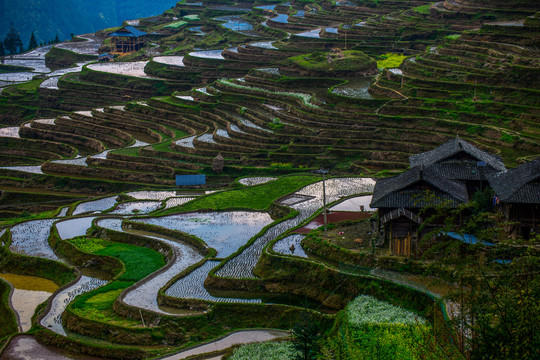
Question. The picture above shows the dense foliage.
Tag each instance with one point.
(349, 60)
(265, 351)
(367, 310)
(497, 314)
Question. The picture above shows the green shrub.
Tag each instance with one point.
(390, 60)
(265, 351)
(424, 9)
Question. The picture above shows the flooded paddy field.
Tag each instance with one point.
(332, 218)
(170, 60)
(135, 69)
(28, 169)
(144, 295)
(237, 24)
(25, 347)
(290, 245)
(208, 54)
(88, 47)
(96, 205)
(136, 207)
(30, 238)
(358, 203)
(11, 131)
(71, 228)
(192, 287)
(28, 293)
(53, 319)
(176, 201)
(242, 265)
(223, 231)
(250, 181)
(357, 88)
(154, 194)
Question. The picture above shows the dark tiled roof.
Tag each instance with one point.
(413, 199)
(130, 32)
(393, 192)
(451, 148)
(519, 185)
(462, 170)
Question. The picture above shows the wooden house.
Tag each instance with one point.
(401, 198)
(517, 194)
(460, 161)
(128, 39)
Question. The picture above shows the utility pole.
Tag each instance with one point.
(323, 172)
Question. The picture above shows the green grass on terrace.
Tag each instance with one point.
(139, 261)
(424, 9)
(255, 198)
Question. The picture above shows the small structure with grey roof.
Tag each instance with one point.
(459, 160)
(404, 200)
(128, 39)
(517, 194)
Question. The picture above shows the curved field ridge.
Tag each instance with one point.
(192, 287)
(242, 265)
(53, 319)
(145, 294)
(237, 338)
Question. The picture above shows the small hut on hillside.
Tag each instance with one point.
(128, 39)
(517, 194)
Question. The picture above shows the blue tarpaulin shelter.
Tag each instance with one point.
(190, 180)
(466, 238)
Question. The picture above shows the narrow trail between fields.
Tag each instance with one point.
(236, 338)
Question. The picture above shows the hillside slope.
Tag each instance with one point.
(62, 17)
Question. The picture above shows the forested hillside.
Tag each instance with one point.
(64, 17)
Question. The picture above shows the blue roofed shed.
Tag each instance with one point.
(190, 180)
(128, 39)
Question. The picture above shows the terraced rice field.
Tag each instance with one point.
(223, 85)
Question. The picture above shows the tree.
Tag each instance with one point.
(12, 42)
(2, 50)
(498, 298)
(305, 336)
(56, 39)
(32, 44)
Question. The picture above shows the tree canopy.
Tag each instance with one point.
(12, 41)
